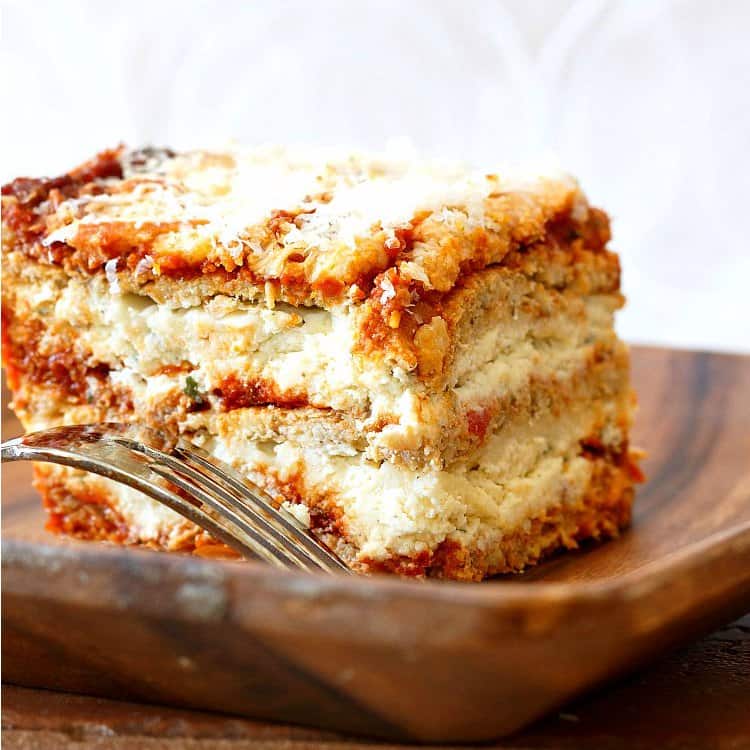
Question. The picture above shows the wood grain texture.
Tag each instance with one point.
(433, 661)
(692, 699)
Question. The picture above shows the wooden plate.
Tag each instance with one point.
(432, 661)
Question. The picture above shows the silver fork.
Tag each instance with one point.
(189, 481)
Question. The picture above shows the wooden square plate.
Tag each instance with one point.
(404, 660)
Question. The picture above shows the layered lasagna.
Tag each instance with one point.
(416, 359)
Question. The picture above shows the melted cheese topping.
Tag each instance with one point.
(257, 208)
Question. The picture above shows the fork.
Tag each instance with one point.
(188, 480)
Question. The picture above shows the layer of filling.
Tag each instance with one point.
(292, 365)
(385, 511)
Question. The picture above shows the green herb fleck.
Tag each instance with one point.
(192, 391)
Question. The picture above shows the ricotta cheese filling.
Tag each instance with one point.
(309, 352)
(389, 510)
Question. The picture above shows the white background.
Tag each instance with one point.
(647, 102)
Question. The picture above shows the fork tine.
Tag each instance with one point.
(242, 494)
(217, 524)
(191, 481)
(257, 538)
(221, 487)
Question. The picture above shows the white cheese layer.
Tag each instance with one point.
(295, 350)
(311, 352)
(389, 510)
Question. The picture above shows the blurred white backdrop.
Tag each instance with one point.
(647, 102)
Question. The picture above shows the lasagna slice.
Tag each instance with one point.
(418, 360)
